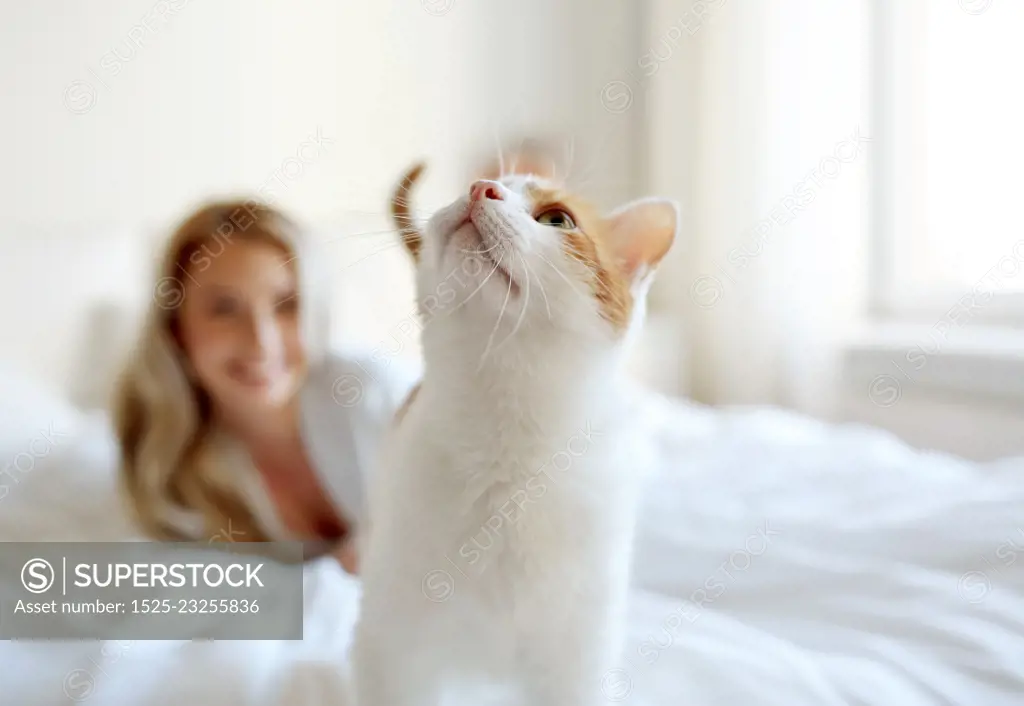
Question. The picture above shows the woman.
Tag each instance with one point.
(235, 424)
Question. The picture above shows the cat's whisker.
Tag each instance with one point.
(518, 152)
(567, 280)
(346, 234)
(362, 212)
(483, 252)
(616, 297)
(501, 315)
(378, 251)
(389, 246)
(592, 175)
(486, 430)
(547, 304)
(571, 159)
(346, 267)
(594, 162)
(572, 250)
(407, 201)
(364, 237)
(382, 212)
(418, 213)
(522, 312)
(501, 152)
(474, 292)
(293, 258)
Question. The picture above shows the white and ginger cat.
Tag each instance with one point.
(503, 506)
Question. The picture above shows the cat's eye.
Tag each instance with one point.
(557, 217)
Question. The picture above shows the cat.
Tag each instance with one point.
(503, 505)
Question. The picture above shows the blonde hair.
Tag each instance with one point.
(174, 486)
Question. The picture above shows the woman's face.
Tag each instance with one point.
(239, 326)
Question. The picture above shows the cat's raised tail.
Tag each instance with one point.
(402, 213)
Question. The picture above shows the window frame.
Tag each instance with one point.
(892, 199)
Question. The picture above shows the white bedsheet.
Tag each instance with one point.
(780, 561)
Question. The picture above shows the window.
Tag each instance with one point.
(949, 174)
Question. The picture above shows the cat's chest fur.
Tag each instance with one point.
(525, 509)
(493, 543)
(519, 483)
(507, 504)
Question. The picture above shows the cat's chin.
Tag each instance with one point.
(507, 280)
(469, 243)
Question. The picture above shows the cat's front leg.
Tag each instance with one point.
(567, 678)
(567, 669)
(571, 654)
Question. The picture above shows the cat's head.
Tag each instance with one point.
(518, 260)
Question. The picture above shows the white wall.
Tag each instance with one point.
(103, 154)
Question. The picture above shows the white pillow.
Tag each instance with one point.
(34, 418)
(72, 493)
(36, 421)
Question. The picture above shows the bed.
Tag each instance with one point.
(779, 561)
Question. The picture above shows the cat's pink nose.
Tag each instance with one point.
(485, 189)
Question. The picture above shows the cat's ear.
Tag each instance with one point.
(641, 232)
(401, 211)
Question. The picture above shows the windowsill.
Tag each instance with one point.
(983, 308)
(977, 361)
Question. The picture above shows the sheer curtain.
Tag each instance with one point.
(759, 123)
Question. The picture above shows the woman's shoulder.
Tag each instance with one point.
(358, 379)
(348, 402)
